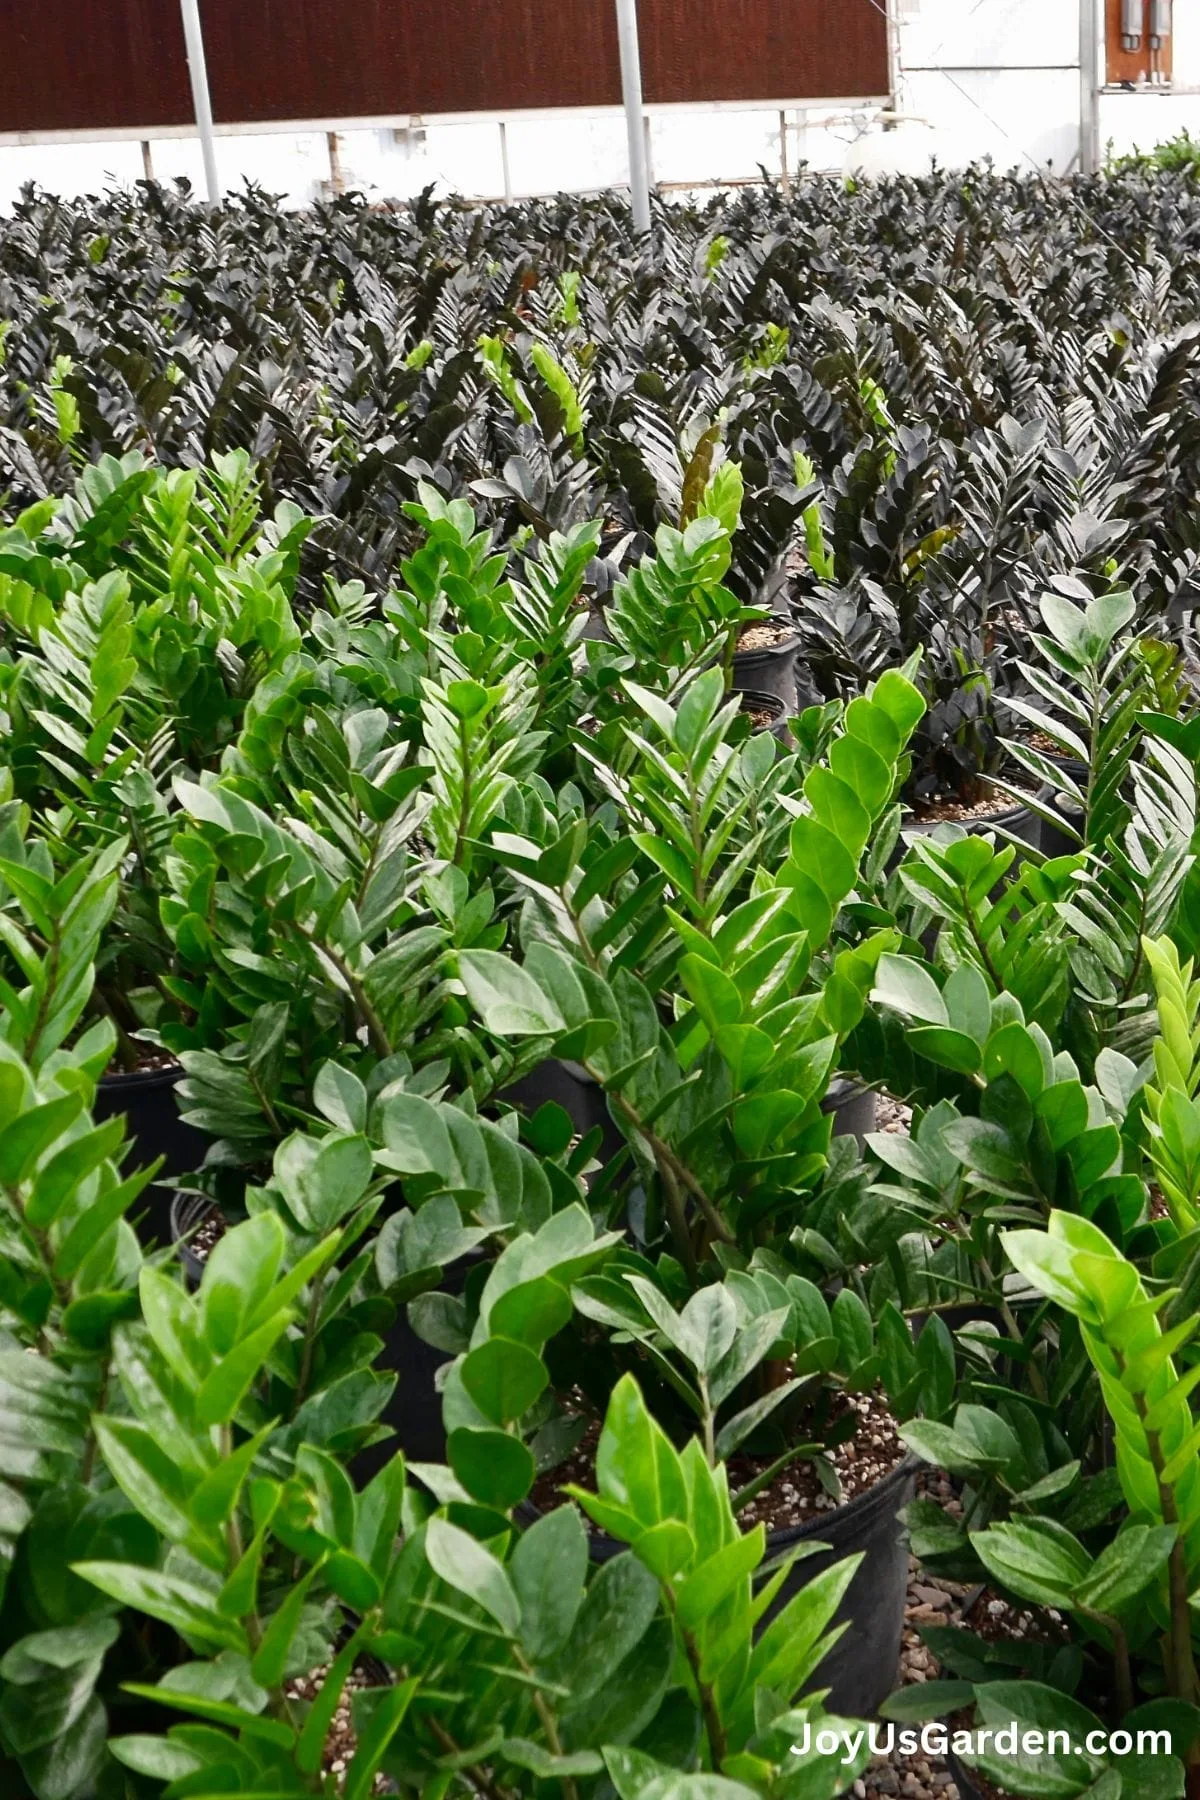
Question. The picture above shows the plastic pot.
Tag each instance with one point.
(1018, 821)
(965, 1780)
(771, 669)
(854, 1107)
(756, 700)
(860, 1670)
(414, 1411)
(146, 1098)
(570, 1086)
(185, 1213)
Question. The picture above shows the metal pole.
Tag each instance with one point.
(337, 181)
(1089, 95)
(147, 161)
(631, 95)
(785, 180)
(193, 37)
(504, 168)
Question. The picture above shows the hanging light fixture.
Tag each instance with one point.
(1160, 23)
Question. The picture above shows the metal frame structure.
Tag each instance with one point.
(401, 121)
(637, 114)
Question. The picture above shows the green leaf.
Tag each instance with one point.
(60, 1177)
(179, 1603)
(386, 1718)
(908, 988)
(222, 1391)
(548, 1569)
(495, 1468)
(31, 1134)
(160, 1758)
(237, 1277)
(271, 1659)
(472, 1570)
(503, 1378)
(1036, 1560)
(507, 999)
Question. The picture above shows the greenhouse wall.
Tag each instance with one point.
(1000, 79)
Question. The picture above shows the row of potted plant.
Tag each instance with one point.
(377, 890)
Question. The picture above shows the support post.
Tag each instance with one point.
(193, 37)
(505, 171)
(147, 161)
(337, 181)
(785, 179)
(631, 95)
(1089, 86)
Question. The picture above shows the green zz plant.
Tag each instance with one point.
(673, 1510)
(761, 1361)
(1131, 1599)
(272, 1577)
(1172, 1107)
(140, 619)
(69, 1264)
(254, 1553)
(722, 1105)
(288, 939)
(673, 613)
(1036, 1131)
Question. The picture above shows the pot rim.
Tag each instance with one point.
(768, 652)
(865, 1505)
(759, 698)
(117, 1080)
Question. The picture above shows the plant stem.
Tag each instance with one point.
(714, 1729)
(677, 1219)
(481, 1779)
(549, 1724)
(367, 1013)
(664, 1155)
(1181, 1663)
(310, 1333)
(710, 1422)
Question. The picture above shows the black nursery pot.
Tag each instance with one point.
(185, 1212)
(964, 1779)
(414, 1411)
(755, 700)
(854, 1107)
(146, 1098)
(568, 1085)
(860, 1670)
(770, 669)
(1019, 821)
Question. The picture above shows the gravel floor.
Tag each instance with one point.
(930, 1602)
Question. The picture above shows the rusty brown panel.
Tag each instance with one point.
(68, 65)
(763, 49)
(297, 59)
(71, 64)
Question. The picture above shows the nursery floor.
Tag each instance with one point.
(932, 1601)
